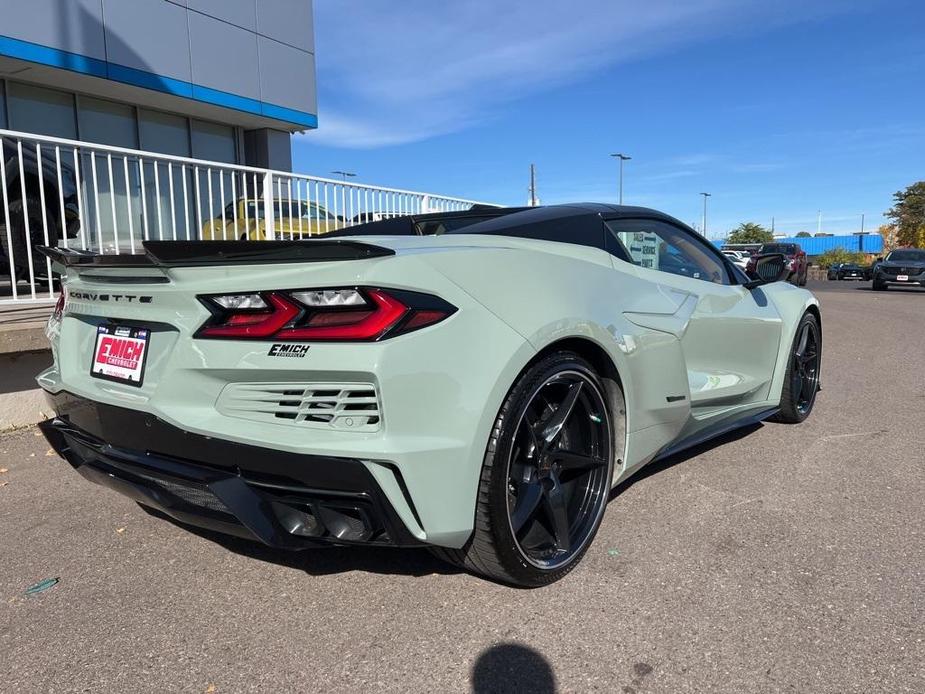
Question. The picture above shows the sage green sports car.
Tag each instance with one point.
(477, 388)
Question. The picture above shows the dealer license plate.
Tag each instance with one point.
(902, 278)
(119, 354)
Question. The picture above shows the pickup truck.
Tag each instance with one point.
(796, 258)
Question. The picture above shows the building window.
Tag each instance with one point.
(2, 104)
(42, 111)
(107, 122)
(164, 133)
(214, 142)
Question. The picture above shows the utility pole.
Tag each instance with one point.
(622, 157)
(862, 222)
(703, 230)
(344, 174)
(532, 185)
(819, 223)
(772, 226)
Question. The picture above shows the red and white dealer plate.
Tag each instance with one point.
(119, 354)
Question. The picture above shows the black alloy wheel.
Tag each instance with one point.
(546, 474)
(801, 381)
(558, 470)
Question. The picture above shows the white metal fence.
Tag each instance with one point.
(78, 195)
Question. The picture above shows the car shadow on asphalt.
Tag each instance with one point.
(892, 290)
(323, 561)
(683, 456)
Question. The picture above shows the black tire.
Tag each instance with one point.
(571, 492)
(801, 379)
(878, 286)
(19, 251)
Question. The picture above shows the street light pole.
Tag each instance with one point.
(344, 174)
(703, 228)
(343, 194)
(622, 157)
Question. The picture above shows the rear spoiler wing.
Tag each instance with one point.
(212, 253)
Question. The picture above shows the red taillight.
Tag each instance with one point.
(257, 324)
(422, 318)
(355, 314)
(365, 324)
(58, 312)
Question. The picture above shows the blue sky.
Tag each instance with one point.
(777, 109)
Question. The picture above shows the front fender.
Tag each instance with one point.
(791, 302)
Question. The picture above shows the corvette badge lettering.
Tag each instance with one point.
(128, 298)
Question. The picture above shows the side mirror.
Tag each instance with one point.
(771, 267)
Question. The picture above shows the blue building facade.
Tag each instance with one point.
(239, 70)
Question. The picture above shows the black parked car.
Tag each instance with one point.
(902, 267)
(851, 271)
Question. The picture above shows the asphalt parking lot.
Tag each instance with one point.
(779, 559)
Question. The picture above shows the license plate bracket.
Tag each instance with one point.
(120, 353)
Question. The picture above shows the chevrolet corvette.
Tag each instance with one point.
(478, 389)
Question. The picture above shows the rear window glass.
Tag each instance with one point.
(436, 227)
(785, 248)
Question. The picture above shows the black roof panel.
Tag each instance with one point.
(578, 223)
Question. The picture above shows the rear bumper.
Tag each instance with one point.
(284, 500)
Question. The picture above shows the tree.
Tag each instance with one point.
(804, 235)
(908, 215)
(839, 255)
(888, 232)
(749, 232)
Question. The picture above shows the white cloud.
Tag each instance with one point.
(396, 72)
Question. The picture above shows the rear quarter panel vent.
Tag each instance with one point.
(341, 406)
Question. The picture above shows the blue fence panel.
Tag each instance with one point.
(866, 243)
